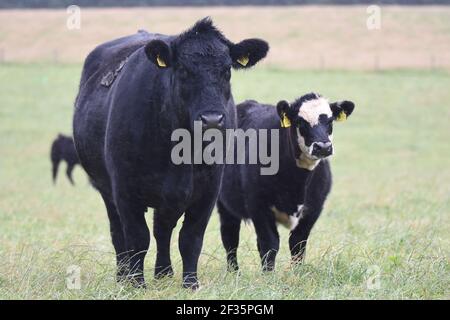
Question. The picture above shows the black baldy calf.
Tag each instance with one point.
(295, 195)
(134, 92)
(63, 149)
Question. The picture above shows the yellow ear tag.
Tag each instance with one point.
(342, 116)
(285, 122)
(243, 61)
(160, 61)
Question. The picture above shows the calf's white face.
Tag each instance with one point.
(311, 117)
(315, 132)
(311, 110)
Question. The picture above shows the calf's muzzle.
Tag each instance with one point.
(322, 149)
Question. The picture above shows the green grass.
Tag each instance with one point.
(388, 210)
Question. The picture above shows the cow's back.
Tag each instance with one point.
(108, 55)
(92, 107)
(254, 115)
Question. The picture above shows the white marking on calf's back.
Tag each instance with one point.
(311, 110)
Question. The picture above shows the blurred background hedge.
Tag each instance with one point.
(130, 3)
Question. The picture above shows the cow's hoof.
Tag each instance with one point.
(162, 272)
(296, 261)
(122, 275)
(233, 268)
(268, 268)
(137, 282)
(193, 286)
(191, 283)
(139, 285)
(120, 278)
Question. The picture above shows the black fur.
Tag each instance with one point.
(122, 135)
(246, 194)
(63, 148)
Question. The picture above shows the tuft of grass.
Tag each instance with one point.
(384, 233)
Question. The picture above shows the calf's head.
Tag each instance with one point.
(311, 120)
(199, 63)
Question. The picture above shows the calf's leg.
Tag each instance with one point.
(299, 236)
(229, 230)
(268, 239)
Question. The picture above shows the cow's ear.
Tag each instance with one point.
(342, 109)
(159, 53)
(283, 113)
(247, 53)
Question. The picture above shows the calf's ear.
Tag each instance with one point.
(159, 53)
(342, 109)
(283, 112)
(247, 53)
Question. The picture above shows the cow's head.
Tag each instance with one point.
(199, 62)
(311, 119)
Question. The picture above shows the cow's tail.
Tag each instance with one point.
(55, 156)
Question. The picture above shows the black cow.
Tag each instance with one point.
(295, 195)
(134, 92)
(63, 148)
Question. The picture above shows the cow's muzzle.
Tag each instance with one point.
(212, 120)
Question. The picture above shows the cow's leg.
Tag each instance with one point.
(117, 238)
(69, 173)
(136, 234)
(229, 229)
(299, 236)
(268, 239)
(191, 239)
(163, 223)
(55, 165)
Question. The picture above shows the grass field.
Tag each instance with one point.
(389, 210)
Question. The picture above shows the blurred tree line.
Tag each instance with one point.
(129, 3)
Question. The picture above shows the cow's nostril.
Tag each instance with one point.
(212, 120)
